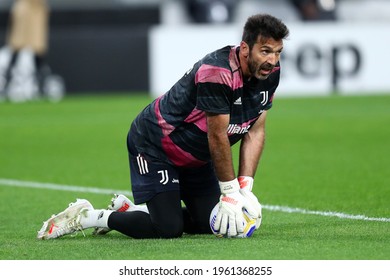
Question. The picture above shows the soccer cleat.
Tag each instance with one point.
(66, 222)
(119, 203)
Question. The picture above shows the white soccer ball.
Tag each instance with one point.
(249, 224)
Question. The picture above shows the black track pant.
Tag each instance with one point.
(167, 218)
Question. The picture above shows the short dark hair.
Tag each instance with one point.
(266, 26)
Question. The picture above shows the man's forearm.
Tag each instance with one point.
(250, 153)
(252, 147)
(219, 146)
(222, 157)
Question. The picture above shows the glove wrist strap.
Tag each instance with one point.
(229, 186)
(246, 182)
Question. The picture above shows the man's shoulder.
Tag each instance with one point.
(219, 57)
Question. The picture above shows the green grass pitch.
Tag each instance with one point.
(329, 157)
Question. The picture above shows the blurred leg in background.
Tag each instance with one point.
(24, 67)
(211, 11)
(314, 10)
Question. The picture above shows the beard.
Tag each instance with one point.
(259, 71)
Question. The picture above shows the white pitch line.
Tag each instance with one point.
(277, 208)
(58, 187)
(323, 213)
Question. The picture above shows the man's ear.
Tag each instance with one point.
(244, 49)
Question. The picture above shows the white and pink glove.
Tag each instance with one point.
(230, 219)
(246, 185)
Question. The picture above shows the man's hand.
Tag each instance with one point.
(246, 185)
(230, 219)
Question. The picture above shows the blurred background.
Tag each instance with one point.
(100, 46)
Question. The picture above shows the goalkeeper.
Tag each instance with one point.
(179, 146)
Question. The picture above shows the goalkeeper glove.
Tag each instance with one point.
(246, 185)
(230, 218)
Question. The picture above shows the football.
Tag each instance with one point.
(249, 224)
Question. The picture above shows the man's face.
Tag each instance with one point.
(263, 57)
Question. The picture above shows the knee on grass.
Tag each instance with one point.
(170, 230)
